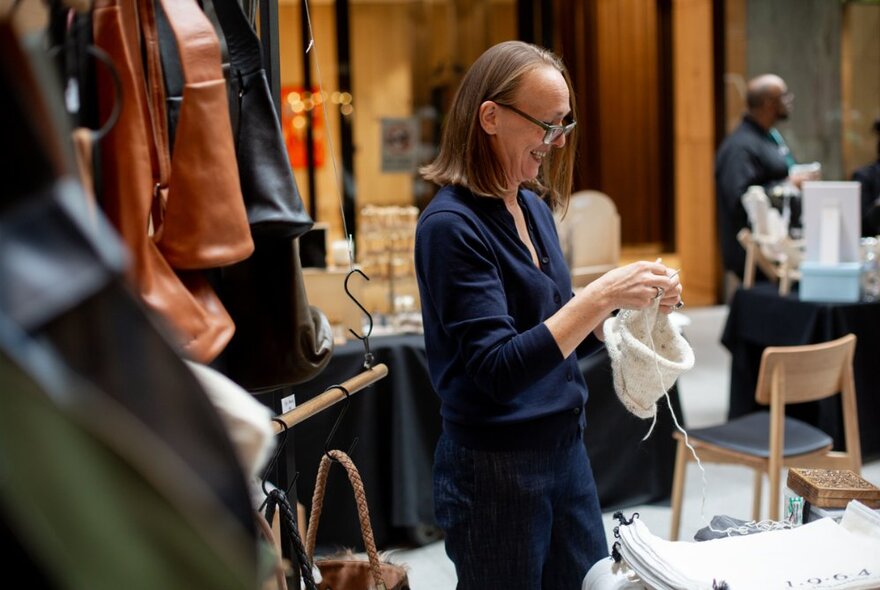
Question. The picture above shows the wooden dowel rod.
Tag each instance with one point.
(331, 396)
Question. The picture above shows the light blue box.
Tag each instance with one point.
(830, 282)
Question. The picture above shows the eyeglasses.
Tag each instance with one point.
(551, 132)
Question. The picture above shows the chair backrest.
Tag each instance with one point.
(590, 230)
(812, 372)
(806, 373)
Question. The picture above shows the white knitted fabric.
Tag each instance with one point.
(647, 355)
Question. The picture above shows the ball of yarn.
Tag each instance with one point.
(647, 355)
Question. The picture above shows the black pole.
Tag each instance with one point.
(271, 56)
(283, 472)
(343, 50)
(307, 85)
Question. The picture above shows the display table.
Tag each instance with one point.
(760, 317)
(397, 423)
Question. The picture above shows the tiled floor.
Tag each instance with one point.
(704, 392)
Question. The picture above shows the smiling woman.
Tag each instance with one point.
(513, 487)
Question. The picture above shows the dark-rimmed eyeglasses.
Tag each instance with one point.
(551, 132)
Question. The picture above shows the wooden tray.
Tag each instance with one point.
(832, 488)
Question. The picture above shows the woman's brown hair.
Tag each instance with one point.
(466, 157)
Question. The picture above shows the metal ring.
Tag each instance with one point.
(678, 305)
(659, 292)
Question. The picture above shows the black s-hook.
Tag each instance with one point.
(368, 356)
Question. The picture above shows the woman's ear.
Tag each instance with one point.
(489, 117)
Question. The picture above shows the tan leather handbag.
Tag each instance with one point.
(203, 222)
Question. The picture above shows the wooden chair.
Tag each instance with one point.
(590, 236)
(767, 441)
(780, 262)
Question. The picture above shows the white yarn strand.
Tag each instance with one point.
(743, 529)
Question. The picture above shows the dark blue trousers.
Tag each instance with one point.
(518, 519)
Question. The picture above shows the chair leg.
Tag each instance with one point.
(784, 280)
(749, 270)
(774, 497)
(756, 495)
(681, 461)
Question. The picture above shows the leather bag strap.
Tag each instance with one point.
(363, 512)
(197, 42)
(243, 45)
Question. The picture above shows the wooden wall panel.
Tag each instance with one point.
(735, 76)
(382, 87)
(628, 115)
(696, 241)
(860, 79)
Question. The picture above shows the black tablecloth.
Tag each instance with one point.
(397, 422)
(760, 317)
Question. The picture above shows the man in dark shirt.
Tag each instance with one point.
(754, 154)
(869, 177)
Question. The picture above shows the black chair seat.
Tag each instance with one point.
(751, 434)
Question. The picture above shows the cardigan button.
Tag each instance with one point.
(576, 411)
(557, 298)
(545, 260)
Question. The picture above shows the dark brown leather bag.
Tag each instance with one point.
(280, 340)
(130, 166)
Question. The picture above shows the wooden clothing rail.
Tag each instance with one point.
(329, 397)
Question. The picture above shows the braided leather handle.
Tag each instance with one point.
(363, 512)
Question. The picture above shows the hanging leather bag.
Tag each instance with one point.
(274, 205)
(203, 222)
(348, 573)
(280, 339)
(132, 173)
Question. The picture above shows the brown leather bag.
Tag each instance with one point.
(203, 220)
(348, 573)
(130, 167)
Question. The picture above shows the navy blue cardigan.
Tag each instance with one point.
(502, 381)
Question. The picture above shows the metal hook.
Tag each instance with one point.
(271, 465)
(338, 422)
(368, 356)
(103, 57)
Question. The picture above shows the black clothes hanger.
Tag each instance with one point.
(270, 467)
(338, 421)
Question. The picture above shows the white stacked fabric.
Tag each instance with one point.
(821, 555)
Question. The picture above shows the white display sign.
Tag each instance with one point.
(832, 221)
